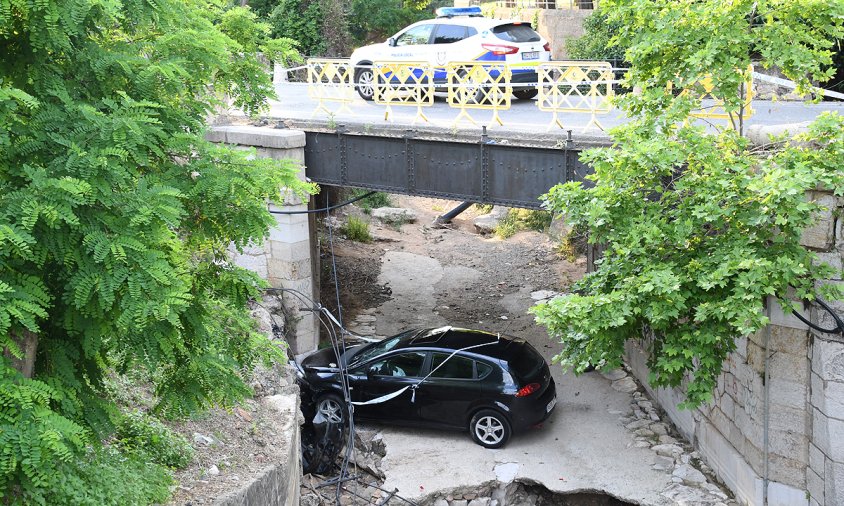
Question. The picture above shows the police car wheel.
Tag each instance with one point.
(525, 94)
(365, 83)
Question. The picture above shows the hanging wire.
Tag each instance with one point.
(839, 324)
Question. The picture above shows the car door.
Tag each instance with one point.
(384, 376)
(446, 47)
(448, 394)
(414, 44)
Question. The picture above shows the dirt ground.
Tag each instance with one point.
(473, 274)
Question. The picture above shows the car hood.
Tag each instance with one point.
(327, 359)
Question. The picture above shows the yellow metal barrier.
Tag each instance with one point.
(403, 84)
(330, 80)
(479, 85)
(703, 90)
(575, 87)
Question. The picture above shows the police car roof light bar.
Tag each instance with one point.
(450, 12)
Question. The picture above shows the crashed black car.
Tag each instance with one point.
(450, 378)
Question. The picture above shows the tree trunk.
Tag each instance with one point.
(28, 342)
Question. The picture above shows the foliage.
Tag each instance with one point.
(109, 478)
(374, 201)
(522, 219)
(699, 226)
(356, 229)
(595, 42)
(300, 20)
(145, 436)
(376, 20)
(115, 219)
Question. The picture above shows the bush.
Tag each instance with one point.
(107, 477)
(374, 201)
(357, 229)
(522, 219)
(594, 44)
(142, 435)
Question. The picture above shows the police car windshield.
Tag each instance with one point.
(516, 33)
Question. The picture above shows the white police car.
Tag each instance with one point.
(458, 34)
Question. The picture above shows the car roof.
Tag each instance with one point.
(480, 23)
(454, 338)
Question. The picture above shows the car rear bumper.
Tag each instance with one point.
(528, 412)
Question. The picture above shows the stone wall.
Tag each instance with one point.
(284, 259)
(780, 417)
(278, 484)
(556, 25)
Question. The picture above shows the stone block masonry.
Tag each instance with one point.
(786, 443)
(285, 258)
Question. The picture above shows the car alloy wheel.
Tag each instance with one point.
(490, 429)
(332, 408)
(365, 83)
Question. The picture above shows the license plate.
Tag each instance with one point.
(530, 55)
(551, 405)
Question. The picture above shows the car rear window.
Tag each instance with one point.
(516, 33)
(525, 362)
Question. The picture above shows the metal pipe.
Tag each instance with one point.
(447, 217)
(767, 388)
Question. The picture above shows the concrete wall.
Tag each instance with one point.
(794, 431)
(285, 258)
(278, 484)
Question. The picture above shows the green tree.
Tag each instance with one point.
(300, 20)
(115, 218)
(699, 225)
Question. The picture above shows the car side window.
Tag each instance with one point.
(483, 369)
(417, 35)
(455, 367)
(447, 34)
(404, 364)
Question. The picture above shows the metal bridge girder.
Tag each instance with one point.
(481, 172)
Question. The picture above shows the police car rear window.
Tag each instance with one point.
(516, 33)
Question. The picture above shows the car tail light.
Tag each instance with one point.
(527, 389)
(547, 47)
(500, 49)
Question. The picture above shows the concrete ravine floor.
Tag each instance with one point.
(582, 446)
(454, 277)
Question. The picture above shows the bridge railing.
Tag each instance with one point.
(581, 87)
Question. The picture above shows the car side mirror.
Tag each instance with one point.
(391, 42)
(372, 371)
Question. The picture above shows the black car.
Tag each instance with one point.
(446, 377)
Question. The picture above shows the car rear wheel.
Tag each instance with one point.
(526, 93)
(332, 407)
(490, 429)
(365, 83)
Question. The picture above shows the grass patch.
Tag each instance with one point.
(357, 229)
(484, 208)
(374, 201)
(522, 219)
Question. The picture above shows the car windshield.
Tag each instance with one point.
(516, 33)
(375, 349)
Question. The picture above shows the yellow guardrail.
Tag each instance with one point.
(703, 89)
(583, 87)
(409, 84)
(331, 80)
(479, 85)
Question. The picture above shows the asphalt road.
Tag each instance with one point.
(523, 116)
